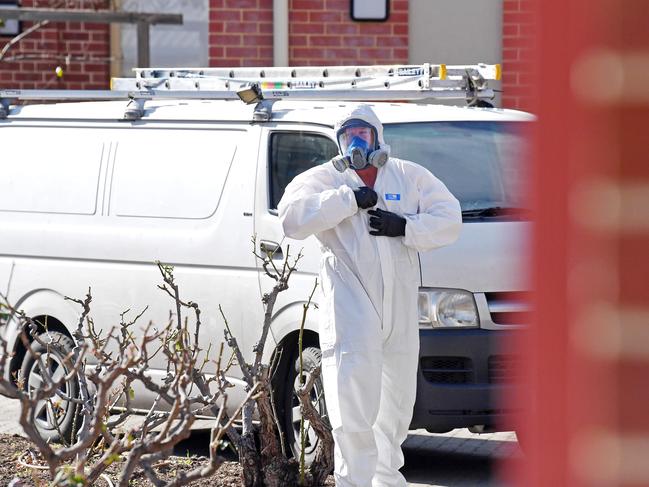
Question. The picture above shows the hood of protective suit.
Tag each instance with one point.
(365, 113)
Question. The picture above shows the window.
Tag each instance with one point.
(171, 173)
(50, 169)
(292, 153)
(482, 163)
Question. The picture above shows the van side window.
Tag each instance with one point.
(41, 173)
(171, 173)
(292, 153)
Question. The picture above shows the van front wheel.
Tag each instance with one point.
(311, 358)
(54, 416)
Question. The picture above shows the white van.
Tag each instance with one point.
(88, 199)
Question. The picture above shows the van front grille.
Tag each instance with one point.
(504, 369)
(509, 308)
(447, 370)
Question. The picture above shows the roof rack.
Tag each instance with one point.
(266, 85)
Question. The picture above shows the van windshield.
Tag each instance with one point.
(483, 163)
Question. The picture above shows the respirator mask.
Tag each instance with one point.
(358, 142)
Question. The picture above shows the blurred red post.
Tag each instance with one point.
(587, 414)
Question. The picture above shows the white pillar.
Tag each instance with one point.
(280, 32)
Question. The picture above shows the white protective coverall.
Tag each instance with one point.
(368, 327)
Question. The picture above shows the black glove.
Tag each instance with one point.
(386, 223)
(365, 197)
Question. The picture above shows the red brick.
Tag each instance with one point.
(301, 28)
(337, 5)
(48, 46)
(401, 54)
(296, 40)
(369, 28)
(266, 53)
(240, 52)
(257, 40)
(45, 66)
(375, 53)
(225, 39)
(400, 29)
(242, 27)
(26, 45)
(392, 41)
(214, 4)
(250, 63)
(100, 36)
(93, 26)
(256, 15)
(324, 16)
(298, 16)
(217, 27)
(75, 36)
(225, 15)
(47, 34)
(5, 76)
(241, 3)
(341, 28)
(76, 77)
(94, 68)
(265, 27)
(359, 41)
(324, 40)
(399, 17)
(306, 5)
(339, 53)
(306, 52)
(95, 47)
(228, 62)
(215, 51)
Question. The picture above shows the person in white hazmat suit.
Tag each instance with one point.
(369, 281)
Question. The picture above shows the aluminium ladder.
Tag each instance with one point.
(328, 83)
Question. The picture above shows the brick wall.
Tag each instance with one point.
(241, 33)
(519, 34)
(321, 32)
(81, 49)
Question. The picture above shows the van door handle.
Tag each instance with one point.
(273, 248)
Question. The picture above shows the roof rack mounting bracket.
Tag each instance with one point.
(263, 111)
(134, 109)
(4, 108)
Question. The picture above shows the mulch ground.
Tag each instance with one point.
(14, 448)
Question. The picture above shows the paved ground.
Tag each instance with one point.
(455, 459)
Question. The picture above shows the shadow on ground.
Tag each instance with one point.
(431, 460)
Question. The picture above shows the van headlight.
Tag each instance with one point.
(447, 308)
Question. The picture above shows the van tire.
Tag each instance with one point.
(311, 359)
(64, 411)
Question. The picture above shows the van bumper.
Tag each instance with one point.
(463, 380)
